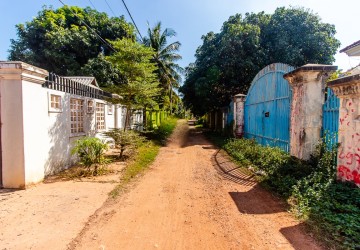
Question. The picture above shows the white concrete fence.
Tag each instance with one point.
(39, 125)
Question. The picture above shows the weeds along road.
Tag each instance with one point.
(193, 197)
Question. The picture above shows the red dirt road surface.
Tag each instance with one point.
(193, 197)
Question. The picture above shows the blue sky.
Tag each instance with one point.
(191, 18)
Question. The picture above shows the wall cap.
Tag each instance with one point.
(17, 70)
(311, 67)
(239, 97)
(346, 86)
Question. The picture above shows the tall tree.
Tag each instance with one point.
(165, 58)
(227, 62)
(59, 41)
(134, 61)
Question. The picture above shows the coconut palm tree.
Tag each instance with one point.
(169, 72)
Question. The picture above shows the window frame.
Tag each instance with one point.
(50, 102)
(74, 119)
(92, 110)
(103, 126)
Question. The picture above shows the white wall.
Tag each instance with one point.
(36, 140)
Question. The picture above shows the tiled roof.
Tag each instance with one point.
(350, 46)
(86, 80)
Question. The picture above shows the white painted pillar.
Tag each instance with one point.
(239, 105)
(23, 130)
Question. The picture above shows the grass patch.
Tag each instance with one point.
(330, 208)
(146, 153)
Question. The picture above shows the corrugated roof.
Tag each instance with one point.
(350, 46)
(86, 80)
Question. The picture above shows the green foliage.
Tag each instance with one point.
(227, 62)
(125, 140)
(134, 61)
(91, 152)
(163, 131)
(141, 85)
(58, 40)
(331, 208)
(165, 57)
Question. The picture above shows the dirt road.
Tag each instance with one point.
(193, 198)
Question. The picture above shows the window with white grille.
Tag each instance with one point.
(100, 116)
(76, 116)
(90, 106)
(55, 104)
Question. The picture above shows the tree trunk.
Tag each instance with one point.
(127, 118)
(144, 119)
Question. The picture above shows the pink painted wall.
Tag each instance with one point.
(349, 136)
(348, 162)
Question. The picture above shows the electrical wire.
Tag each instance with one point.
(97, 35)
(92, 4)
(110, 7)
(132, 19)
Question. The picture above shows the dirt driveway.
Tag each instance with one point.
(193, 198)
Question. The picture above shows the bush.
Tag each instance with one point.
(125, 140)
(91, 152)
(162, 132)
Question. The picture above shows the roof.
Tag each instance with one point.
(86, 80)
(352, 49)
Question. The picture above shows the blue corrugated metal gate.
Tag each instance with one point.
(267, 107)
(331, 118)
(230, 115)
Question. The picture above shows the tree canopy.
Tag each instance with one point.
(59, 41)
(227, 61)
(141, 83)
(165, 57)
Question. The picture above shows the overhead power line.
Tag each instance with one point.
(88, 26)
(132, 19)
(92, 4)
(110, 7)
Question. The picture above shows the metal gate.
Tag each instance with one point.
(330, 118)
(267, 107)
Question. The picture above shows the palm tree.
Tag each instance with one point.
(165, 58)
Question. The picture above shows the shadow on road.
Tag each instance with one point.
(256, 201)
(8, 190)
(229, 170)
(292, 235)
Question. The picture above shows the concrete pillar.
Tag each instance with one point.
(224, 112)
(348, 161)
(308, 84)
(23, 130)
(239, 106)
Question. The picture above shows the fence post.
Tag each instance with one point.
(308, 85)
(239, 102)
(348, 158)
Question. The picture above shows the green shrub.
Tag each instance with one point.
(163, 131)
(125, 140)
(91, 152)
